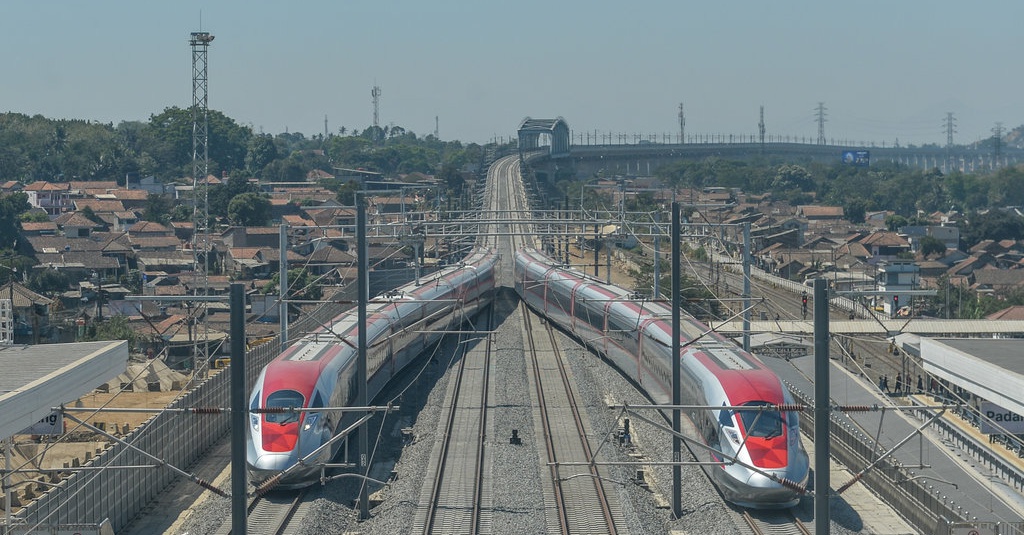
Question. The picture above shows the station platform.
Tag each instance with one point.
(945, 467)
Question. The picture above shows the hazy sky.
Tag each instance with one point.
(884, 69)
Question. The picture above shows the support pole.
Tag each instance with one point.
(677, 443)
(239, 416)
(608, 260)
(821, 408)
(363, 287)
(566, 241)
(657, 258)
(282, 302)
(746, 286)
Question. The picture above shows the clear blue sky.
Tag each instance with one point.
(884, 69)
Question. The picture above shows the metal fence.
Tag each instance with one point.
(921, 505)
(178, 439)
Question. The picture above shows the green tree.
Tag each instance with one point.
(220, 195)
(931, 245)
(11, 208)
(259, 153)
(894, 222)
(301, 285)
(158, 208)
(47, 281)
(114, 328)
(249, 209)
(169, 140)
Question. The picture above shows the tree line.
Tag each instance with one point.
(39, 148)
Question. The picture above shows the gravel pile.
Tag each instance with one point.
(517, 499)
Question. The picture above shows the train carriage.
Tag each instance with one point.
(636, 337)
(319, 370)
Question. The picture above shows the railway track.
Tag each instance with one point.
(459, 500)
(579, 501)
(272, 514)
(774, 523)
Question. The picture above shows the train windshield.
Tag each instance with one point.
(761, 423)
(284, 399)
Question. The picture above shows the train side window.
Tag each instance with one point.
(284, 399)
(318, 401)
(725, 418)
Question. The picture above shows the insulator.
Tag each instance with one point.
(207, 410)
(267, 485)
(206, 485)
(790, 484)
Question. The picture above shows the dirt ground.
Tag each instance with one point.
(78, 444)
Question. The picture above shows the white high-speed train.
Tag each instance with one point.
(637, 338)
(319, 370)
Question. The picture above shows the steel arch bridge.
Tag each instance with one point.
(530, 131)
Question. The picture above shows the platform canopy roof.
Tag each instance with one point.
(37, 378)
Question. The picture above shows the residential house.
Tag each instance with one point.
(820, 214)
(251, 237)
(998, 281)
(31, 313)
(11, 186)
(76, 225)
(42, 228)
(248, 262)
(895, 278)
(885, 245)
(54, 198)
(150, 229)
(949, 236)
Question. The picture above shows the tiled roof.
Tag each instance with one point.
(885, 238)
(98, 205)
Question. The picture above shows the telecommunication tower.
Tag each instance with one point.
(682, 125)
(200, 42)
(760, 128)
(437, 123)
(997, 144)
(375, 93)
(821, 122)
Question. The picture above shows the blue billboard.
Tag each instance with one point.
(861, 158)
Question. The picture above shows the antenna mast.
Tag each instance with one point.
(200, 43)
(760, 128)
(375, 93)
(682, 124)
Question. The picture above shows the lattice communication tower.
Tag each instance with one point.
(200, 43)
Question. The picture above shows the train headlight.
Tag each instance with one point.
(254, 421)
(732, 435)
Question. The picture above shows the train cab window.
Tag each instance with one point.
(284, 399)
(763, 424)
